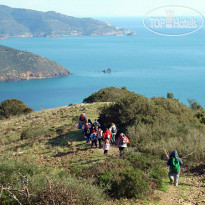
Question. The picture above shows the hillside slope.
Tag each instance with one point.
(19, 65)
(46, 146)
(27, 23)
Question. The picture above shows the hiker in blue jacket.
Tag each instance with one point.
(174, 162)
(93, 138)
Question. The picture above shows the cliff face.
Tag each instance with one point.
(28, 23)
(19, 65)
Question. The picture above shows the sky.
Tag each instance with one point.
(101, 8)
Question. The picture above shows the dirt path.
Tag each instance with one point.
(191, 190)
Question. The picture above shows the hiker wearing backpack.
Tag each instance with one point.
(82, 120)
(93, 138)
(100, 137)
(174, 164)
(93, 128)
(113, 131)
(96, 123)
(122, 142)
(87, 133)
(107, 134)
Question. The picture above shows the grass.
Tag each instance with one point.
(165, 184)
(53, 144)
(47, 143)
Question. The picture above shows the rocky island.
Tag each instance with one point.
(30, 23)
(20, 65)
(108, 70)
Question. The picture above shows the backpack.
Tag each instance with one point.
(82, 117)
(107, 135)
(79, 126)
(122, 141)
(93, 136)
(174, 166)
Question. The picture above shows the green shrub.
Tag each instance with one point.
(10, 169)
(13, 107)
(126, 112)
(34, 133)
(132, 176)
(124, 88)
(170, 95)
(157, 123)
(110, 94)
(62, 129)
(151, 165)
(45, 187)
(131, 183)
(69, 191)
(157, 174)
(194, 104)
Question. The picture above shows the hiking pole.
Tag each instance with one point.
(166, 153)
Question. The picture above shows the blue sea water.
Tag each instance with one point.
(147, 64)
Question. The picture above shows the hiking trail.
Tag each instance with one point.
(191, 190)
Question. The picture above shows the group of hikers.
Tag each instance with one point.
(93, 133)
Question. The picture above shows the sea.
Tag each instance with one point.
(148, 64)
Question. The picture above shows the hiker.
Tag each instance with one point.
(106, 146)
(174, 164)
(122, 142)
(96, 128)
(100, 137)
(93, 138)
(113, 131)
(87, 134)
(107, 134)
(93, 128)
(90, 123)
(96, 123)
(82, 120)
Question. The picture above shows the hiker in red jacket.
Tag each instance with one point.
(122, 142)
(107, 134)
(82, 120)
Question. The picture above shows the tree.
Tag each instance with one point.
(170, 95)
(124, 88)
(194, 104)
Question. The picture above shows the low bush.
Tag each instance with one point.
(110, 94)
(13, 107)
(69, 191)
(34, 133)
(131, 176)
(62, 129)
(170, 95)
(130, 183)
(43, 186)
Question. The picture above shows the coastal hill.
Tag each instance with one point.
(28, 23)
(20, 65)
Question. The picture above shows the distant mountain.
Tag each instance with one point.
(19, 65)
(28, 23)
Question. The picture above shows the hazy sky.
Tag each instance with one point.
(101, 8)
